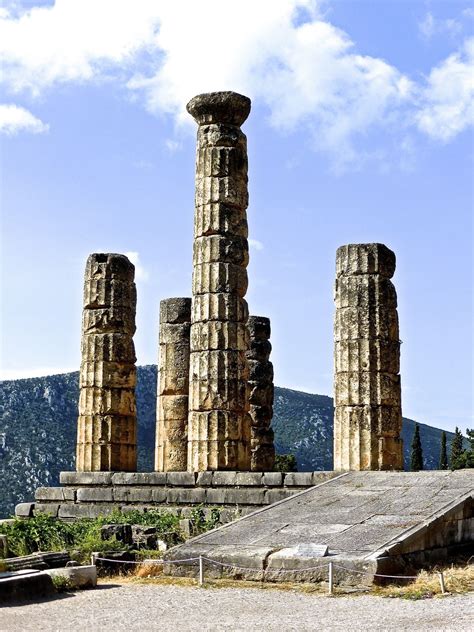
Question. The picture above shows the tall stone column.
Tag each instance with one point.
(368, 414)
(106, 428)
(219, 423)
(173, 386)
(261, 395)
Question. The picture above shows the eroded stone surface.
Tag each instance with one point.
(173, 386)
(367, 392)
(218, 422)
(106, 428)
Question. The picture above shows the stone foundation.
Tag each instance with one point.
(93, 494)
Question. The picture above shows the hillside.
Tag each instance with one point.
(38, 427)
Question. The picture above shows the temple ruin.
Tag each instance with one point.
(107, 424)
(367, 394)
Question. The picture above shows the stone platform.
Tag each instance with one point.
(371, 522)
(93, 494)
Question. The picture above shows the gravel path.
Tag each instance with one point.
(130, 607)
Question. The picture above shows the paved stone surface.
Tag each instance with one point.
(355, 515)
(153, 607)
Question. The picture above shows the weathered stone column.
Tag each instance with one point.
(219, 423)
(173, 386)
(261, 395)
(367, 398)
(106, 428)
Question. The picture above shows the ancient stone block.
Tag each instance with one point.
(106, 432)
(249, 479)
(219, 307)
(180, 479)
(302, 479)
(367, 417)
(272, 479)
(224, 478)
(94, 494)
(85, 478)
(261, 394)
(139, 478)
(220, 219)
(219, 277)
(215, 335)
(173, 385)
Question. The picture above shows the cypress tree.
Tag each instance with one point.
(443, 455)
(416, 460)
(456, 450)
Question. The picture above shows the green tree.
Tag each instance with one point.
(416, 460)
(466, 457)
(285, 463)
(456, 450)
(443, 455)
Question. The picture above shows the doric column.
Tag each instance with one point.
(106, 428)
(219, 423)
(261, 395)
(173, 386)
(367, 398)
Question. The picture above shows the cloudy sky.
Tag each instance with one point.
(361, 130)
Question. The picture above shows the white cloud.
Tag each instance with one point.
(255, 244)
(447, 100)
(15, 119)
(430, 26)
(141, 274)
(172, 145)
(284, 54)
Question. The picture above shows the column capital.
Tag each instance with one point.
(229, 108)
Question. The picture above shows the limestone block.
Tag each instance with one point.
(204, 479)
(175, 310)
(173, 333)
(210, 454)
(220, 277)
(169, 381)
(219, 307)
(85, 510)
(94, 494)
(54, 493)
(272, 479)
(220, 219)
(77, 576)
(224, 395)
(224, 478)
(219, 248)
(259, 328)
(109, 320)
(218, 425)
(85, 478)
(180, 479)
(110, 401)
(366, 291)
(24, 510)
(261, 416)
(260, 372)
(122, 532)
(221, 161)
(260, 350)
(228, 364)
(49, 509)
(132, 494)
(110, 457)
(301, 479)
(173, 407)
(355, 259)
(103, 429)
(244, 496)
(275, 495)
(109, 266)
(102, 293)
(231, 191)
(261, 395)
(186, 495)
(219, 336)
(249, 479)
(159, 495)
(367, 355)
(109, 347)
(108, 375)
(358, 388)
(139, 478)
(352, 323)
(221, 135)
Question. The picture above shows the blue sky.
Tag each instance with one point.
(361, 130)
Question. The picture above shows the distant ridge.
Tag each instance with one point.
(38, 431)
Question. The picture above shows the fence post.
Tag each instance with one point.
(441, 582)
(331, 578)
(201, 571)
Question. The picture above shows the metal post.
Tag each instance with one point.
(201, 571)
(441, 582)
(330, 578)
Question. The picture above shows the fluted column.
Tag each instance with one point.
(219, 423)
(261, 395)
(173, 386)
(367, 398)
(106, 429)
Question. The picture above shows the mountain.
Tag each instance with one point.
(38, 431)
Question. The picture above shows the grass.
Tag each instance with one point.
(459, 579)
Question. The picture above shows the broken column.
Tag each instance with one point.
(367, 398)
(106, 428)
(261, 395)
(219, 423)
(173, 386)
